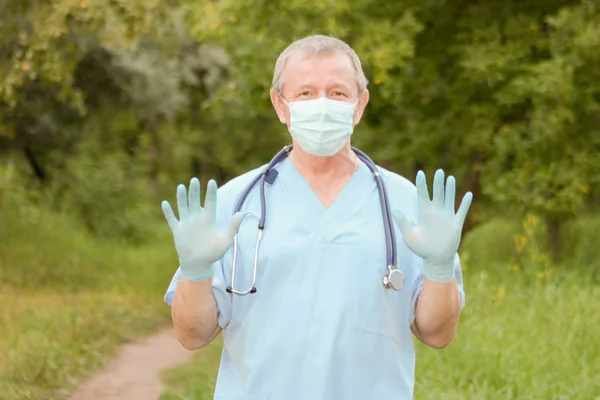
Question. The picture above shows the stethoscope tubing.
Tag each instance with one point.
(390, 235)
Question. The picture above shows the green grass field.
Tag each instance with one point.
(516, 340)
(528, 331)
(67, 300)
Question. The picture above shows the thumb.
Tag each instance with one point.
(403, 223)
(234, 224)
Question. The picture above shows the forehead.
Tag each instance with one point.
(319, 70)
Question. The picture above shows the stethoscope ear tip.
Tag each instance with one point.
(230, 289)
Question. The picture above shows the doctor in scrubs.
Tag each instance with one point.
(321, 326)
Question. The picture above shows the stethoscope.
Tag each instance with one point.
(394, 279)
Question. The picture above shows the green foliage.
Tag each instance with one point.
(490, 244)
(42, 249)
(507, 243)
(105, 187)
(44, 41)
(66, 298)
(505, 91)
(504, 96)
(553, 150)
(580, 244)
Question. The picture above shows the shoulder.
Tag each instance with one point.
(232, 190)
(402, 193)
(236, 185)
(397, 183)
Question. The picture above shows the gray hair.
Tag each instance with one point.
(318, 45)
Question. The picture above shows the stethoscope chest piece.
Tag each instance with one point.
(394, 278)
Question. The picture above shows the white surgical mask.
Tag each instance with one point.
(321, 126)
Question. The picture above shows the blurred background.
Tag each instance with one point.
(107, 105)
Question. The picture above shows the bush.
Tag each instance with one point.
(508, 245)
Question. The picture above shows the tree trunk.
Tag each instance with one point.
(37, 169)
(415, 168)
(152, 127)
(471, 183)
(553, 232)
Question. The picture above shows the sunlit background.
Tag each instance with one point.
(105, 106)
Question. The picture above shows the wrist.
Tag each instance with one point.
(443, 272)
(195, 270)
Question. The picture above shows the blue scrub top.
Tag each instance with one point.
(321, 325)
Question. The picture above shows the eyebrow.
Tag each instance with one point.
(330, 85)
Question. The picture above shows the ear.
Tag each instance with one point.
(280, 108)
(363, 100)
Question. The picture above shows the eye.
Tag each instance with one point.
(305, 93)
(337, 93)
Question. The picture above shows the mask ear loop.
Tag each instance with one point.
(355, 108)
(289, 107)
(282, 99)
(289, 126)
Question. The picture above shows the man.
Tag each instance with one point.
(321, 325)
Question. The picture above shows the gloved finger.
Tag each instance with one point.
(182, 204)
(438, 188)
(422, 192)
(461, 215)
(210, 201)
(194, 195)
(169, 215)
(450, 194)
(234, 224)
(403, 223)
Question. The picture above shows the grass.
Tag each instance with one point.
(516, 340)
(67, 300)
(519, 340)
(50, 341)
(528, 331)
(195, 380)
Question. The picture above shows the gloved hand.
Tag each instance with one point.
(197, 241)
(436, 235)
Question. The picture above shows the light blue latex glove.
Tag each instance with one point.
(197, 241)
(436, 235)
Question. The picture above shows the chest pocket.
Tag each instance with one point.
(374, 308)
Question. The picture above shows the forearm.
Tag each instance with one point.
(194, 313)
(437, 313)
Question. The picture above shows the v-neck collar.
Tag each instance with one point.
(313, 198)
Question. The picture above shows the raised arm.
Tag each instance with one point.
(435, 237)
(199, 246)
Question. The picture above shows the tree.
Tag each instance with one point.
(503, 94)
(42, 43)
(137, 55)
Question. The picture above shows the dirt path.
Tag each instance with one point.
(134, 373)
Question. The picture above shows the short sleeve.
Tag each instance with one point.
(223, 299)
(459, 280)
(418, 287)
(171, 289)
